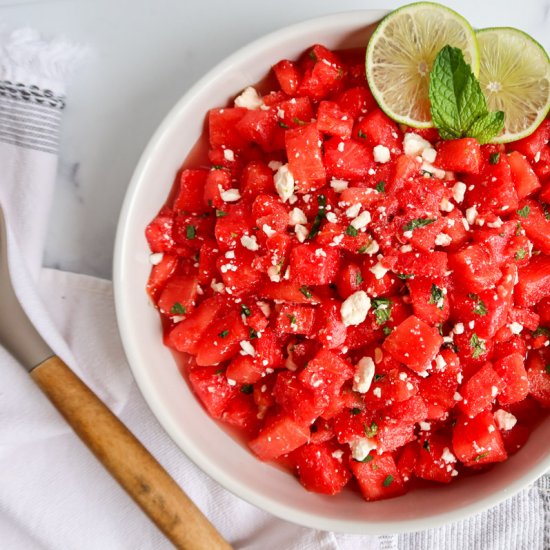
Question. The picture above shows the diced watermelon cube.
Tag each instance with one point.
(477, 441)
(534, 282)
(539, 378)
(191, 189)
(379, 478)
(480, 391)
(524, 177)
(212, 388)
(279, 437)
(322, 468)
(314, 265)
(459, 155)
(333, 121)
(288, 75)
(305, 162)
(435, 460)
(222, 127)
(414, 343)
(295, 319)
(326, 370)
(474, 268)
(178, 296)
(534, 143)
(347, 159)
(512, 372)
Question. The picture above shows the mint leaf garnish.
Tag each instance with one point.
(458, 106)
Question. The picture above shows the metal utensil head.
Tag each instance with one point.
(17, 333)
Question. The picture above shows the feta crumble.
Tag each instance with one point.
(284, 182)
(505, 420)
(249, 99)
(364, 373)
(250, 242)
(381, 154)
(354, 309)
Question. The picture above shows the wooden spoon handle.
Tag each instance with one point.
(144, 479)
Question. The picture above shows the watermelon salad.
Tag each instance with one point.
(366, 304)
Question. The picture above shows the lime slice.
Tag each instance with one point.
(401, 53)
(515, 78)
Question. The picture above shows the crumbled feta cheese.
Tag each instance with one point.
(435, 172)
(301, 232)
(274, 165)
(250, 242)
(217, 287)
(446, 205)
(429, 154)
(362, 220)
(229, 155)
(364, 373)
(440, 362)
(457, 396)
(353, 210)
(338, 454)
(471, 215)
(372, 248)
(442, 239)
(459, 189)
(378, 270)
(381, 154)
(156, 258)
(231, 195)
(377, 392)
(496, 224)
(274, 274)
(505, 420)
(515, 327)
(268, 230)
(458, 328)
(425, 426)
(494, 391)
(249, 99)
(378, 355)
(339, 185)
(536, 157)
(331, 217)
(320, 253)
(414, 145)
(247, 348)
(341, 147)
(284, 182)
(297, 216)
(354, 309)
(361, 447)
(447, 456)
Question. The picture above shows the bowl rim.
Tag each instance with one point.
(121, 254)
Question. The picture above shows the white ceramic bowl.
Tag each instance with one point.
(166, 392)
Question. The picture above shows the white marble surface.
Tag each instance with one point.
(145, 54)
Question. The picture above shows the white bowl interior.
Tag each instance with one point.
(203, 440)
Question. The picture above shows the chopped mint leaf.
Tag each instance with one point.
(351, 231)
(378, 377)
(479, 308)
(220, 213)
(381, 186)
(223, 333)
(403, 276)
(217, 167)
(540, 331)
(418, 222)
(524, 212)
(305, 291)
(190, 232)
(477, 345)
(361, 134)
(312, 55)
(282, 124)
(372, 430)
(291, 318)
(388, 481)
(245, 310)
(321, 215)
(436, 296)
(358, 278)
(386, 330)
(547, 369)
(481, 456)
(426, 445)
(252, 334)
(546, 211)
(368, 458)
(458, 106)
(382, 309)
(296, 120)
(355, 410)
(520, 254)
(494, 158)
(178, 309)
(247, 389)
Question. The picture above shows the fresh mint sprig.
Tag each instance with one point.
(458, 106)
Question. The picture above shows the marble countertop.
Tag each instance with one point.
(144, 55)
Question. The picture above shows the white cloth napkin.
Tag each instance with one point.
(54, 495)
